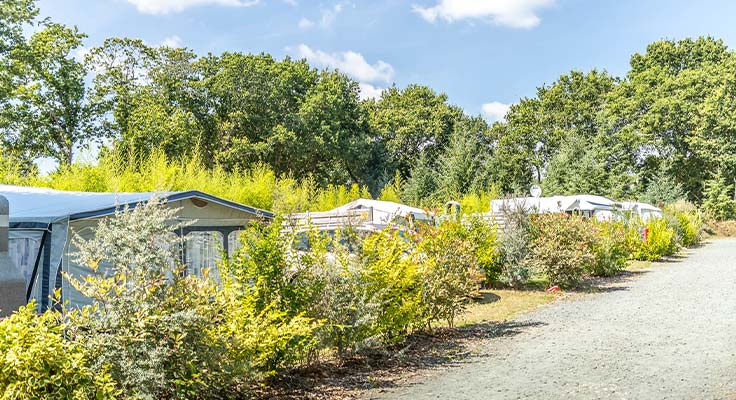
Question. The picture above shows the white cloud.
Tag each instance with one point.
(305, 23)
(326, 19)
(368, 91)
(512, 13)
(349, 62)
(329, 15)
(495, 111)
(173, 42)
(161, 7)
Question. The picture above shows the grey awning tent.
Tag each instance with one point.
(41, 220)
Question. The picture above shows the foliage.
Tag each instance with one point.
(258, 186)
(537, 126)
(662, 190)
(413, 123)
(660, 241)
(514, 245)
(449, 270)
(688, 222)
(265, 293)
(563, 247)
(610, 248)
(39, 362)
(393, 276)
(48, 112)
(718, 199)
(150, 323)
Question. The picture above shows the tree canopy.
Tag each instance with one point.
(661, 131)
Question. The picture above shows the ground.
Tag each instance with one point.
(666, 331)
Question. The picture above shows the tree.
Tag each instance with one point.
(574, 170)
(49, 113)
(536, 127)
(662, 189)
(333, 139)
(412, 123)
(121, 68)
(465, 165)
(15, 15)
(657, 109)
(718, 199)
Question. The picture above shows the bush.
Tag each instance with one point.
(153, 326)
(610, 248)
(661, 239)
(392, 275)
(563, 247)
(268, 279)
(513, 266)
(449, 269)
(38, 362)
(687, 221)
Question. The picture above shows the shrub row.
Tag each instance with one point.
(565, 248)
(154, 332)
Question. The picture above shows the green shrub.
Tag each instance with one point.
(391, 274)
(687, 221)
(151, 325)
(269, 279)
(661, 239)
(38, 362)
(349, 309)
(449, 270)
(563, 247)
(610, 248)
(513, 266)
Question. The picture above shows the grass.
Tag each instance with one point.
(636, 265)
(504, 305)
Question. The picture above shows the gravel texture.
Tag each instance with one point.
(668, 333)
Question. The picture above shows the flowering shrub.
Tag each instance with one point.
(563, 247)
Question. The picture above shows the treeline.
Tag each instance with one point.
(663, 132)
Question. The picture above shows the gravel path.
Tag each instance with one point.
(667, 334)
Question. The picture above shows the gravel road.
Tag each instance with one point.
(669, 333)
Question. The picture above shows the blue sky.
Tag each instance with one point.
(479, 52)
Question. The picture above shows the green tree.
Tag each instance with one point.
(656, 111)
(536, 127)
(465, 166)
(49, 113)
(718, 198)
(412, 123)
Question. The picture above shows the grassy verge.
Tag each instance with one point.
(636, 265)
(504, 305)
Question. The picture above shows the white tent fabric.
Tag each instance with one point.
(42, 204)
(384, 211)
(644, 210)
(46, 215)
(599, 206)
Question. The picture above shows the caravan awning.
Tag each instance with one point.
(49, 205)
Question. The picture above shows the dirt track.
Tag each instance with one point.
(667, 334)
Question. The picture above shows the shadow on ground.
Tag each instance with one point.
(383, 370)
